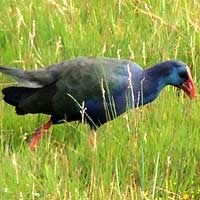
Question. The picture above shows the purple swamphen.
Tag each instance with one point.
(93, 89)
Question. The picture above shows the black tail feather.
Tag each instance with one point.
(14, 95)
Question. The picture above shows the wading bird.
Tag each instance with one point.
(93, 89)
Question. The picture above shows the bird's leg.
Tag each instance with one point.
(93, 139)
(38, 135)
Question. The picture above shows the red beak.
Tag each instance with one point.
(188, 86)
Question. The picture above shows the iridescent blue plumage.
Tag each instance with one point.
(107, 86)
(93, 89)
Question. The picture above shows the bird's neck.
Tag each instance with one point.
(152, 83)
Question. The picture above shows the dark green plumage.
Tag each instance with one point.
(60, 89)
(59, 86)
(92, 89)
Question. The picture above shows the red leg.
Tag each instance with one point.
(38, 134)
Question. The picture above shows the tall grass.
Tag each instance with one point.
(148, 153)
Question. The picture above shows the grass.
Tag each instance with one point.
(148, 153)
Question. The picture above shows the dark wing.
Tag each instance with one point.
(62, 86)
(90, 79)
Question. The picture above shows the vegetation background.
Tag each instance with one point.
(148, 153)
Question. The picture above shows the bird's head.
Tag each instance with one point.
(179, 75)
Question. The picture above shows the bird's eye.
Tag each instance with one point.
(183, 75)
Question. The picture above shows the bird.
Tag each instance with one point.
(91, 89)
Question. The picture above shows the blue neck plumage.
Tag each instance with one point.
(150, 86)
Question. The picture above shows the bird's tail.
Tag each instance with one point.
(31, 79)
(14, 72)
(15, 95)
